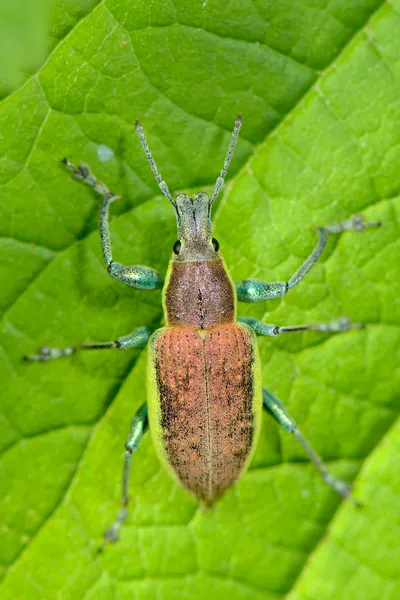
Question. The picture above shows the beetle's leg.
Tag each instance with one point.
(132, 340)
(139, 427)
(253, 290)
(137, 276)
(278, 411)
(337, 326)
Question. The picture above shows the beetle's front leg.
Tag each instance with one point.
(140, 337)
(137, 276)
(139, 427)
(338, 326)
(253, 290)
(278, 411)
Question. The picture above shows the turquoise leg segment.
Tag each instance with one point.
(252, 290)
(137, 276)
(140, 337)
(275, 407)
(338, 326)
(138, 429)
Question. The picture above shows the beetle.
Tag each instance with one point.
(204, 388)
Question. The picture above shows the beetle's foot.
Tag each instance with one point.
(338, 326)
(83, 173)
(111, 535)
(343, 488)
(46, 353)
(355, 223)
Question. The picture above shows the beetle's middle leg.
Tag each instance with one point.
(275, 407)
(338, 326)
(140, 337)
(138, 429)
(253, 290)
(137, 276)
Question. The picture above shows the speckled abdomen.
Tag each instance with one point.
(204, 404)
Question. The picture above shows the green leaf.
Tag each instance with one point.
(29, 29)
(318, 85)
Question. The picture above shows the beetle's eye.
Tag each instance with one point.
(215, 244)
(177, 247)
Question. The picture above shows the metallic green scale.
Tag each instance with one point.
(204, 373)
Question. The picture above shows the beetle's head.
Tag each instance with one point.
(195, 241)
(193, 218)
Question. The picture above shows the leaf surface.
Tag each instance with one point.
(318, 86)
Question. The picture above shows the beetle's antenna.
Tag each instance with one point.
(162, 185)
(220, 179)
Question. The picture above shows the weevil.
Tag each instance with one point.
(204, 388)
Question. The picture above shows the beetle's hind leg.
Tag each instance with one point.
(137, 276)
(132, 340)
(139, 427)
(275, 407)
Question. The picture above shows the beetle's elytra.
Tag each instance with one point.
(204, 402)
(204, 376)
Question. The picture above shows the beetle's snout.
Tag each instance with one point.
(200, 201)
(194, 227)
